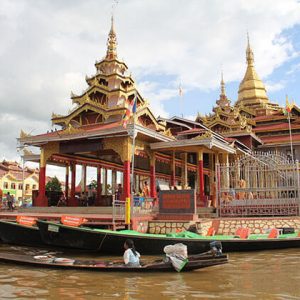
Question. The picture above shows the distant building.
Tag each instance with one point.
(11, 179)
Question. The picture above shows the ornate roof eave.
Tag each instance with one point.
(106, 60)
(150, 133)
(90, 80)
(219, 122)
(23, 134)
(91, 106)
(101, 133)
(148, 112)
(64, 136)
(246, 109)
(105, 90)
(208, 142)
(243, 133)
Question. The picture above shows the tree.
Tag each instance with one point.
(93, 184)
(53, 185)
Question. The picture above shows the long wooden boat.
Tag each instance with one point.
(111, 242)
(14, 233)
(104, 266)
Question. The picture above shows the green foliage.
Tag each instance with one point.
(93, 184)
(53, 185)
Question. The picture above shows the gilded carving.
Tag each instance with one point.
(71, 130)
(121, 146)
(204, 136)
(46, 152)
(168, 132)
(55, 116)
(23, 134)
(27, 152)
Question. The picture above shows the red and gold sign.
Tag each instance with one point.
(180, 201)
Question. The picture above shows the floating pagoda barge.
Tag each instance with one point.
(213, 156)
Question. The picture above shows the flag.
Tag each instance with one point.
(180, 91)
(288, 105)
(131, 109)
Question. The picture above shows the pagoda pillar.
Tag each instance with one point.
(173, 169)
(72, 200)
(83, 178)
(113, 182)
(105, 181)
(201, 178)
(99, 187)
(184, 171)
(126, 179)
(41, 199)
(152, 177)
(67, 183)
(225, 157)
(46, 152)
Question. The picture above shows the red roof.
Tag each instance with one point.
(229, 139)
(281, 126)
(281, 138)
(270, 117)
(87, 128)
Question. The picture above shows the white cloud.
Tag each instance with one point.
(293, 69)
(275, 86)
(47, 47)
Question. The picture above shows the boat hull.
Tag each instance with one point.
(110, 242)
(100, 266)
(14, 233)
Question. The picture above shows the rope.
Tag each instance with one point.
(99, 248)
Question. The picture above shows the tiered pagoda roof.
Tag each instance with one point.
(253, 115)
(227, 118)
(108, 94)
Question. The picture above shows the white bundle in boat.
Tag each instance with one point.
(179, 250)
(178, 255)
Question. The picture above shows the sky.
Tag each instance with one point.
(49, 46)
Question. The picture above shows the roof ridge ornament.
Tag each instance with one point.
(111, 52)
(223, 93)
(249, 52)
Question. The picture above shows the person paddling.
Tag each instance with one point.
(131, 256)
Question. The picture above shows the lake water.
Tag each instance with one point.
(251, 275)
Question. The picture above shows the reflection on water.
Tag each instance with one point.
(260, 275)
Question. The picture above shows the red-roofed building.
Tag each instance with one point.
(12, 178)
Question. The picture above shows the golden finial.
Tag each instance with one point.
(249, 52)
(222, 85)
(112, 41)
(23, 134)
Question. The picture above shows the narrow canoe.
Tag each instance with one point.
(111, 242)
(104, 266)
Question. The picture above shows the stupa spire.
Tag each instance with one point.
(222, 85)
(252, 91)
(111, 52)
(249, 52)
(223, 100)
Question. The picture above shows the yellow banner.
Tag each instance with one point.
(127, 211)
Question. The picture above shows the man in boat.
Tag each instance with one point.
(131, 256)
